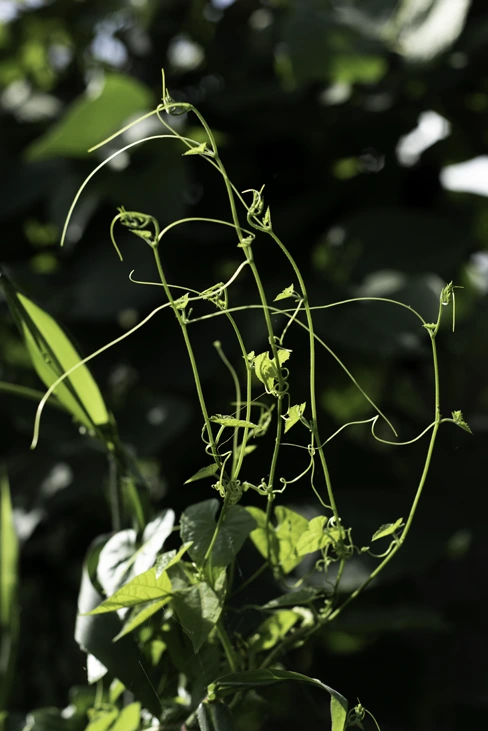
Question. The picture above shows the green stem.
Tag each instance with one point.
(227, 645)
(191, 355)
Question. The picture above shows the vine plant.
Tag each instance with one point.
(159, 623)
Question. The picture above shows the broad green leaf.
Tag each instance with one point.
(95, 634)
(198, 609)
(143, 588)
(230, 421)
(272, 630)
(121, 558)
(293, 415)
(287, 292)
(247, 679)
(387, 529)
(9, 558)
(102, 720)
(95, 115)
(170, 558)
(293, 599)
(208, 471)
(52, 354)
(283, 537)
(140, 614)
(198, 526)
(317, 536)
(129, 718)
(267, 370)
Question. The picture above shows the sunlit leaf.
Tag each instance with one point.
(9, 557)
(129, 718)
(293, 415)
(287, 292)
(387, 529)
(317, 536)
(230, 421)
(52, 354)
(121, 558)
(197, 150)
(170, 558)
(266, 369)
(282, 538)
(272, 630)
(143, 588)
(140, 614)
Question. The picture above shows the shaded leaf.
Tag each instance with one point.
(208, 471)
(198, 609)
(198, 526)
(92, 117)
(170, 558)
(294, 598)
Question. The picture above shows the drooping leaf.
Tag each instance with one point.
(281, 538)
(121, 559)
(198, 609)
(142, 588)
(52, 354)
(208, 471)
(272, 630)
(293, 415)
(94, 116)
(285, 294)
(95, 634)
(247, 679)
(387, 529)
(198, 526)
(197, 150)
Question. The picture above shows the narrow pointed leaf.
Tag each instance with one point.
(208, 471)
(143, 588)
(387, 529)
(9, 557)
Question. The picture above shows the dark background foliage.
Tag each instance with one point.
(314, 99)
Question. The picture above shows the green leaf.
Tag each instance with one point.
(121, 559)
(387, 529)
(52, 354)
(247, 679)
(272, 630)
(198, 526)
(95, 115)
(102, 720)
(230, 421)
(140, 614)
(266, 369)
(170, 558)
(458, 419)
(293, 599)
(283, 537)
(143, 588)
(197, 150)
(293, 415)
(129, 718)
(95, 634)
(198, 609)
(9, 559)
(285, 294)
(317, 536)
(208, 471)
